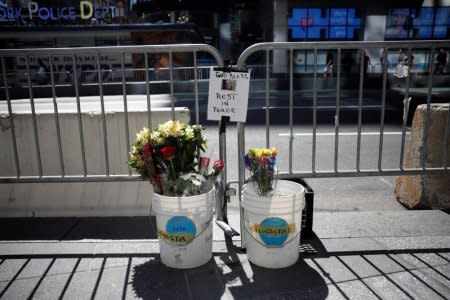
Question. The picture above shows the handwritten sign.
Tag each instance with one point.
(228, 94)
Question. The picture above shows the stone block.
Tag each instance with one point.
(426, 191)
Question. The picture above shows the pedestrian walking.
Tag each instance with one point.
(441, 61)
(328, 69)
(42, 72)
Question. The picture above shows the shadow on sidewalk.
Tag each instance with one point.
(113, 228)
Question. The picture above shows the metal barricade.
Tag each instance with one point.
(264, 73)
(73, 57)
(267, 52)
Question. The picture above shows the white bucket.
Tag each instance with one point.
(273, 224)
(184, 229)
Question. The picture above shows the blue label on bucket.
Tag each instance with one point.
(179, 230)
(273, 231)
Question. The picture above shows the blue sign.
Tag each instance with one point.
(324, 24)
(179, 230)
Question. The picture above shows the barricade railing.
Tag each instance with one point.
(72, 57)
(268, 52)
(277, 63)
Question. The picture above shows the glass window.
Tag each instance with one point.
(324, 24)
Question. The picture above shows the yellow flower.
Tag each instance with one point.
(274, 151)
(259, 153)
(266, 152)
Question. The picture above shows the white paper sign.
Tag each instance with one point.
(228, 94)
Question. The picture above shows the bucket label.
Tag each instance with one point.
(273, 231)
(180, 230)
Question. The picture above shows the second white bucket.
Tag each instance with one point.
(184, 229)
(273, 223)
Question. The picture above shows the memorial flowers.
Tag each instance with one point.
(261, 164)
(170, 157)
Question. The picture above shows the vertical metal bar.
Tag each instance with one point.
(291, 109)
(147, 86)
(314, 137)
(55, 108)
(360, 104)
(197, 109)
(102, 103)
(406, 102)
(427, 116)
(336, 117)
(408, 74)
(405, 111)
(11, 119)
(446, 141)
(220, 203)
(33, 113)
(80, 121)
(383, 108)
(241, 177)
(267, 99)
(172, 97)
(125, 109)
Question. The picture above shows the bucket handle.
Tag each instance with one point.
(271, 246)
(196, 236)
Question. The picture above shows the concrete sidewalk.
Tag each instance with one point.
(352, 255)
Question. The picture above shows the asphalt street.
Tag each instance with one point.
(330, 194)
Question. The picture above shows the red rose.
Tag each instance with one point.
(217, 167)
(168, 152)
(147, 150)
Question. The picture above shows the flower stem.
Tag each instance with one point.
(172, 169)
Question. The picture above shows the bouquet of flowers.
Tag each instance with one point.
(169, 157)
(261, 164)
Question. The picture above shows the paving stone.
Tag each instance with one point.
(20, 288)
(415, 243)
(335, 293)
(332, 270)
(82, 284)
(386, 288)
(350, 244)
(356, 290)
(417, 288)
(52, 285)
(423, 260)
(383, 263)
(113, 280)
(10, 268)
(358, 266)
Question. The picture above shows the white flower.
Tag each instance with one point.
(189, 132)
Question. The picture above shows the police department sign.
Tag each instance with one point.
(86, 10)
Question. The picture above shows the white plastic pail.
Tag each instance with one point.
(273, 224)
(184, 229)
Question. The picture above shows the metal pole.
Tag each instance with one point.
(55, 107)
(33, 113)
(11, 119)
(80, 121)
